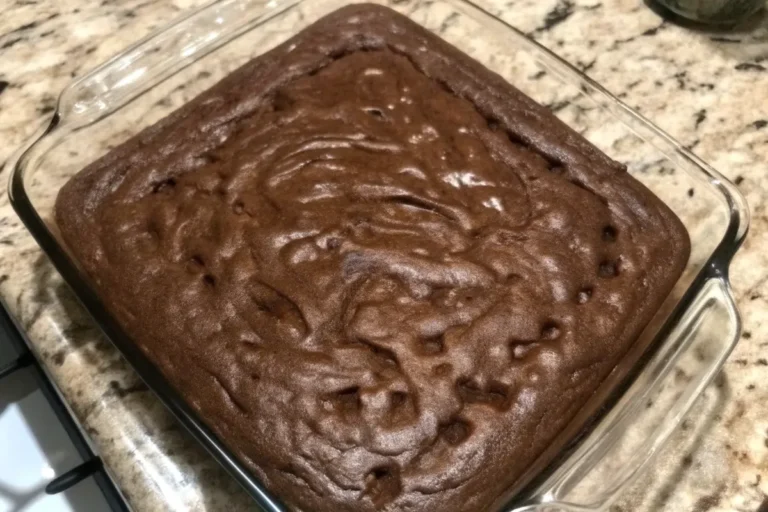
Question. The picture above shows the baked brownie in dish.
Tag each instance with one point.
(382, 275)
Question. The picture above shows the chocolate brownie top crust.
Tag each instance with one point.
(383, 276)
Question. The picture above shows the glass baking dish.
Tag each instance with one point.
(644, 399)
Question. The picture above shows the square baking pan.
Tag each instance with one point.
(617, 433)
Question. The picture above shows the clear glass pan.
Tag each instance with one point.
(641, 403)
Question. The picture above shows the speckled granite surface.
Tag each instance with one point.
(709, 91)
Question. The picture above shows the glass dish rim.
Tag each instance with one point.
(716, 266)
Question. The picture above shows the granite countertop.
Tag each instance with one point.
(709, 91)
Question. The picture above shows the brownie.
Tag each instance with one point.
(384, 277)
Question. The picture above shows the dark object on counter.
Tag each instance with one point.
(384, 277)
(715, 13)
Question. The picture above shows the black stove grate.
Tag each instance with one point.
(92, 465)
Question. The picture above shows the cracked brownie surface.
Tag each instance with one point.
(383, 276)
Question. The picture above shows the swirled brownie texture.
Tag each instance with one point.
(383, 276)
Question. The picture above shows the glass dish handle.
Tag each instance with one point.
(608, 461)
(159, 56)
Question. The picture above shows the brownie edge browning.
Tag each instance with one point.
(384, 277)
